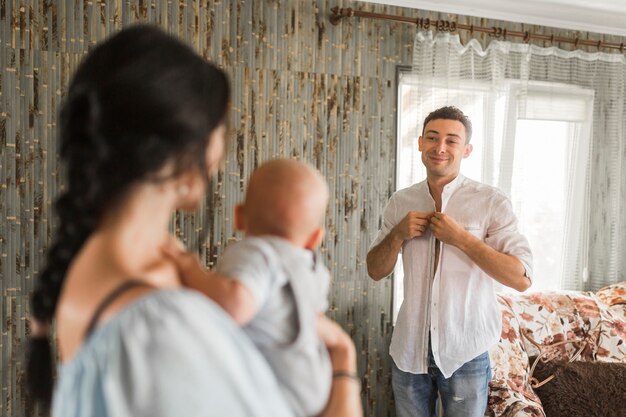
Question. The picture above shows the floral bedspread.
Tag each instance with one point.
(596, 321)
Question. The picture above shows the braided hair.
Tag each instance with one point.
(140, 100)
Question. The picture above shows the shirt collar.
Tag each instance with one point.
(449, 188)
(453, 185)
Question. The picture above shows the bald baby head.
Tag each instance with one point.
(285, 198)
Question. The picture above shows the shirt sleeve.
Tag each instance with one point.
(504, 236)
(389, 220)
(249, 262)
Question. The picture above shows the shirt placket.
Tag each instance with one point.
(435, 327)
(431, 275)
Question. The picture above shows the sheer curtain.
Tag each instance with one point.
(520, 95)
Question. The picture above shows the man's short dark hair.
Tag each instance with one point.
(450, 113)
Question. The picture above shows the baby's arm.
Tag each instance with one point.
(233, 296)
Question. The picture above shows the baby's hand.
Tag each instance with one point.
(174, 242)
(233, 296)
(188, 264)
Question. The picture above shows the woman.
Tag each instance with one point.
(141, 130)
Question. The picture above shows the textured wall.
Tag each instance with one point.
(301, 88)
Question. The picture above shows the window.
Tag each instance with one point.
(530, 140)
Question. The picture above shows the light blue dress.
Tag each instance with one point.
(170, 353)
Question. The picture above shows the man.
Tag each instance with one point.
(456, 236)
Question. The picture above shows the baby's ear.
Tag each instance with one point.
(314, 239)
(240, 221)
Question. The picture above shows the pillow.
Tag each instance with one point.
(582, 389)
(613, 294)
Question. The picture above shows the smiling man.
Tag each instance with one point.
(456, 237)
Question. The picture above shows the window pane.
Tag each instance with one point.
(538, 194)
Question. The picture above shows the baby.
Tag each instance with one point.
(271, 282)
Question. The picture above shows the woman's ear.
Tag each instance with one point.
(189, 189)
(240, 221)
(215, 148)
(314, 239)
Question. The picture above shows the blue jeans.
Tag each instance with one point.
(464, 394)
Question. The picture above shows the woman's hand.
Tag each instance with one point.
(345, 398)
(339, 344)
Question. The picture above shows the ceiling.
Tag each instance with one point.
(600, 16)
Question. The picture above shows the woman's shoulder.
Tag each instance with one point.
(169, 348)
(150, 315)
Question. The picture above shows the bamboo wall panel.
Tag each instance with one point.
(302, 88)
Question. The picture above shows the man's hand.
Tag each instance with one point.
(414, 224)
(447, 230)
(382, 258)
(504, 268)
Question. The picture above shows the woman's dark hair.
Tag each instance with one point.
(138, 101)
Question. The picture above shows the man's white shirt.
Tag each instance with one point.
(457, 304)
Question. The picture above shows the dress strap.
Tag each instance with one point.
(121, 289)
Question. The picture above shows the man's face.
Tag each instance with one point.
(443, 146)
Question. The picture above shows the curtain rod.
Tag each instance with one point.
(338, 14)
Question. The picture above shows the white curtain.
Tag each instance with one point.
(515, 88)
